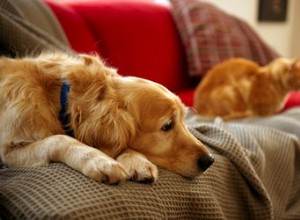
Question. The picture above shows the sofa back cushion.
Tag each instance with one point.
(78, 33)
(137, 37)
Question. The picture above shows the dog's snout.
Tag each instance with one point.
(205, 161)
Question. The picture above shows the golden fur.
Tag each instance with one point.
(240, 88)
(137, 122)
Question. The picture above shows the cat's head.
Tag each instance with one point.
(286, 70)
(294, 74)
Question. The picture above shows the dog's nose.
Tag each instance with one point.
(205, 161)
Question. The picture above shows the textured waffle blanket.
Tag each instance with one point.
(256, 175)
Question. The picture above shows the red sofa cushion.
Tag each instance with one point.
(293, 100)
(137, 37)
(79, 35)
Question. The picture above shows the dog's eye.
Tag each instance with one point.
(167, 126)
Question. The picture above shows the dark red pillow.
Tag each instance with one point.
(210, 36)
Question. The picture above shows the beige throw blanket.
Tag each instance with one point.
(256, 175)
(29, 27)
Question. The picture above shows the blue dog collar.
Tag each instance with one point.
(64, 116)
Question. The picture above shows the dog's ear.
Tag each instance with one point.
(88, 71)
(110, 129)
(87, 59)
(120, 128)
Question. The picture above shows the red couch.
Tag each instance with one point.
(139, 37)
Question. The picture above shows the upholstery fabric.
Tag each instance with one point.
(210, 36)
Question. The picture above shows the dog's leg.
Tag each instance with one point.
(138, 166)
(61, 148)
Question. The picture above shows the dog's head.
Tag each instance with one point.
(161, 134)
(112, 113)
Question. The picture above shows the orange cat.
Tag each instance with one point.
(239, 88)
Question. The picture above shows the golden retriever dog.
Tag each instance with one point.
(239, 88)
(80, 112)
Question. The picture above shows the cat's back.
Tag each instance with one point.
(228, 72)
(232, 69)
(225, 87)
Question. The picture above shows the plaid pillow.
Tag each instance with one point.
(210, 36)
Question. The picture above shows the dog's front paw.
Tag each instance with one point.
(104, 169)
(139, 168)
